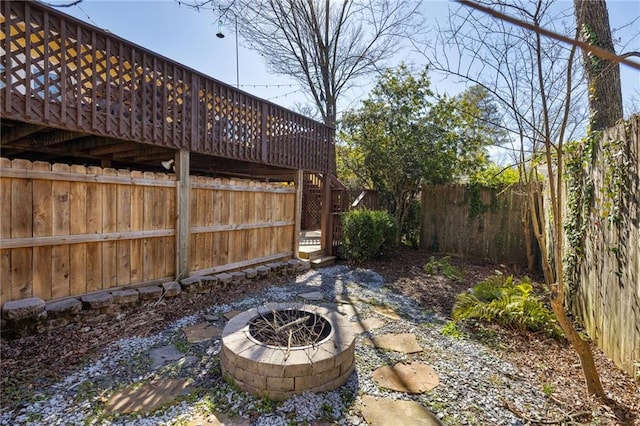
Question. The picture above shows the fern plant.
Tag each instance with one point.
(507, 302)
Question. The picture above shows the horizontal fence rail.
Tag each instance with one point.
(60, 72)
(70, 230)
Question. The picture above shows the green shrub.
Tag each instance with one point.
(443, 267)
(367, 234)
(508, 302)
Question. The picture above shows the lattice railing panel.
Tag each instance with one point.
(58, 71)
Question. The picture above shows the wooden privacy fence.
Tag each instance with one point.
(607, 300)
(69, 230)
(475, 222)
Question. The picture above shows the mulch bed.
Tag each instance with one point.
(30, 363)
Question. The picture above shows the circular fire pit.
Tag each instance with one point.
(283, 349)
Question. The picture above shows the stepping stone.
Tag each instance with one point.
(347, 310)
(347, 300)
(314, 295)
(378, 412)
(387, 312)
(148, 397)
(211, 318)
(414, 377)
(231, 314)
(201, 332)
(164, 355)
(367, 324)
(405, 343)
(217, 419)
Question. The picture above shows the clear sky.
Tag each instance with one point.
(189, 37)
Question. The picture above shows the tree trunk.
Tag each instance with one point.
(603, 77)
(591, 376)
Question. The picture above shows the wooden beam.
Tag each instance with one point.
(56, 137)
(299, 181)
(182, 213)
(18, 132)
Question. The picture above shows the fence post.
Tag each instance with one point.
(325, 221)
(182, 213)
(298, 179)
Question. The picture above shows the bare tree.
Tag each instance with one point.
(328, 46)
(603, 77)
(538, 85)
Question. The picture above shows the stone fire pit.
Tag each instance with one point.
(283, 349)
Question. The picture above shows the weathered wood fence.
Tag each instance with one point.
(69, 230)
(475, 222)
(607, 300)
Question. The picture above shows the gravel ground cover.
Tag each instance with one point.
(478, 384)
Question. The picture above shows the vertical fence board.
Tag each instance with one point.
(137, 224)
(6, 283)
(109, 224)
(21, 226)
(60, 253)
(42, 227)
(148, 247)
(94, 226)
(159, 223)
(123, 224)
(78, 226)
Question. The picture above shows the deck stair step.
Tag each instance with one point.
(323, 261)
(311, 254)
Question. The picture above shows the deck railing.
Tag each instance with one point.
(60, 72)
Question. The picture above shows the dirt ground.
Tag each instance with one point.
(30, 363)
(555, 364)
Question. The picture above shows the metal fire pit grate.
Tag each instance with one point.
(291, 328)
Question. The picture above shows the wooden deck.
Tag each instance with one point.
(70, 90)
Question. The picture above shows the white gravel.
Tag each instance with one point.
(474, 380)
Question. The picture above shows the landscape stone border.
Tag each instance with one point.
(33, 315)
(278, 373)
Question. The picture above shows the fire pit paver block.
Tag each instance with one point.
(278, 373)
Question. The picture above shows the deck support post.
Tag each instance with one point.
(326, 226)
(299, 181)
(182, 213)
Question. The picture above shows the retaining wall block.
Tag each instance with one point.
(98, 300)
(224, 279)
(153, 292)
(23, 309)
(124, 297)
(63, 308)
(171, 289)
(238, 277)
(250, 273)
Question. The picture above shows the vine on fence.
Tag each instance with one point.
(581, 200)
(580, 190)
